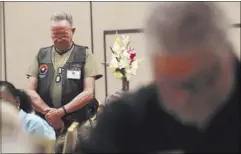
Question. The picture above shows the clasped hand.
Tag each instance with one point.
(53, 116)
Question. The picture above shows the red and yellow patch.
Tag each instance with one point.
(43, 69)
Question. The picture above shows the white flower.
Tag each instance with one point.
(134, 67)
(123, 57)
(126, 54)
(123, 63)
(113, 61)
(125, 41)
(113, 65)
(117, 47)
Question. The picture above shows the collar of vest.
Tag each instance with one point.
(65, 51)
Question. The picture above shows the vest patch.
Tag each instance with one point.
(43, 69)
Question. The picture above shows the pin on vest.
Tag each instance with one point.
(43, 69)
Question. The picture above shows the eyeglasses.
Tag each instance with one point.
(61, 33)
(60, 29)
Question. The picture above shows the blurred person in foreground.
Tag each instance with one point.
(194, 104)
(20, 100)
(109, 99)
(12, 131)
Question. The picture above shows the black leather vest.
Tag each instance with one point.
(70, 87)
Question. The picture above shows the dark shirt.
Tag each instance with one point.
(137, 123)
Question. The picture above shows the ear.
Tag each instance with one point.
(73, 30)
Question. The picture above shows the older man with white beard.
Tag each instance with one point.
(194, 104)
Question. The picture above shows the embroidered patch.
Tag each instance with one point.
(43, 69)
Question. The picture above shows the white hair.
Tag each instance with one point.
(179, 26)
(60, 16)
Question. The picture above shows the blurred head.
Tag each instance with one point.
(14, 96)
(10, 121)
(191, 56)
(61, 30)
(12, 132)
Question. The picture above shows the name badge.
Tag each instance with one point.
(73, 74)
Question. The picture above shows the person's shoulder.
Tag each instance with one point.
(81, 46)
(43, 49)
(33, 118)
(141, 96)
(32, 123)
(146, 92)
(85, 48)
(88, 52)
(135, 103)
(37, 121)
(38, 125)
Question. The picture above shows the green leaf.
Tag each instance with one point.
(112, 51)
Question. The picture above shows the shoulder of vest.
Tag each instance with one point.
(43, 51)
(81, 46)
(45, 48)
(81, 49)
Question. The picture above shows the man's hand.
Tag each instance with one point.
(53, 115)
(59, 124)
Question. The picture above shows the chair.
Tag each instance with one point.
(99, 110)
(92, 108)
(71, 138)
(43, 145)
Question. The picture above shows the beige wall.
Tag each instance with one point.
(27, 29)
(233, 14)
(1, 43)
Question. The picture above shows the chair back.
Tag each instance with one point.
(71, 138)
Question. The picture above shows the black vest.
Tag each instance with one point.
(70, 87)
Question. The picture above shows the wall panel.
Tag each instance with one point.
(2, 65)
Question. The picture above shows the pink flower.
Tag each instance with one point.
(132, 53)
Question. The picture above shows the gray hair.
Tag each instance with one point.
(179, 26)
(60, 16)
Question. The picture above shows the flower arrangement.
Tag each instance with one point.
(124, 63)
